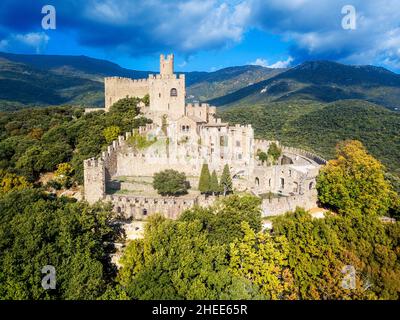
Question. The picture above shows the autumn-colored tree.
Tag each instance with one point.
(316, 258)
(36, 133)
(264, 261)
(111, 133)
(354, 181)
(64, 170)
(11, 182)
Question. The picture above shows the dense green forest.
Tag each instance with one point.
(219, 252)
(34, 141)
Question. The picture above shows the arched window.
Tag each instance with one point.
(282, 183)
(174, 92)
(311, 185)
(144, 211)
(257, 181)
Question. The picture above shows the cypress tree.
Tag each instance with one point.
(226, 180)
(205, 179)
(214, 183)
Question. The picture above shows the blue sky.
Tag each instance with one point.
(206, 35)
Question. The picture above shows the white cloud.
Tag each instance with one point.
(281, 64)
(26, 42)
(259, 62)
(277, 65)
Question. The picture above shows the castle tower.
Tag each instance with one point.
(167, 91)
(94, 180)
(167, 64)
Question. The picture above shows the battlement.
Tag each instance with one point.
(124, 80)
(167, 64)
(241, 127)
(93, 163)
(198, 105)
(309, 155)
(280, 205)
(116, 88)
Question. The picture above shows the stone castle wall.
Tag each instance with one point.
(140, 207)
(278, 206)
(116, 88)
(193, 136)
(202, 111)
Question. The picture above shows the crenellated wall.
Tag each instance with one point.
(281, 205)
(140, 207)
(203, 111)
(116, 88)
(94, 179)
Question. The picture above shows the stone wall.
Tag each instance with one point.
(278, 206)
(116, 88)
(141, 207)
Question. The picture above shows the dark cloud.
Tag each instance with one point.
(313, 27)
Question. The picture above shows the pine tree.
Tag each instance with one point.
(205, 179)
(226, 180)
(214, 186)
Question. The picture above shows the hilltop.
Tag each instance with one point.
(322, 81)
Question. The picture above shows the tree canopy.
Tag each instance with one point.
(354, 181)
(170, 183)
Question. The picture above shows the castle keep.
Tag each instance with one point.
(184, 137)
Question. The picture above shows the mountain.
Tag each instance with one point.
(75, 66)
(21, 84)
(58, 79)
(211, 85)
(322, 81)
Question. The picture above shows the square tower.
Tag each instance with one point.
(167, 91)
(167, 64)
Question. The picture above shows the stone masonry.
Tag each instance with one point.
(184, 138)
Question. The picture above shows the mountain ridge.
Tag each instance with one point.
(78, 80)
(324, 81)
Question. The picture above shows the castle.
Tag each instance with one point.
(183, 137)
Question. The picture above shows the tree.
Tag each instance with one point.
(205, 179)
(64, 170)
(11, 182)
(214, 186)
(170, 182)
(223, 220)
(226, 180)
(146, 100)
(316, 257)
(38, 230)
(63, 174)
(111, 133)
(274, 152)
(262, 156)
(175, 260)
(127, 105)
(354, 182)
(264, 261)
